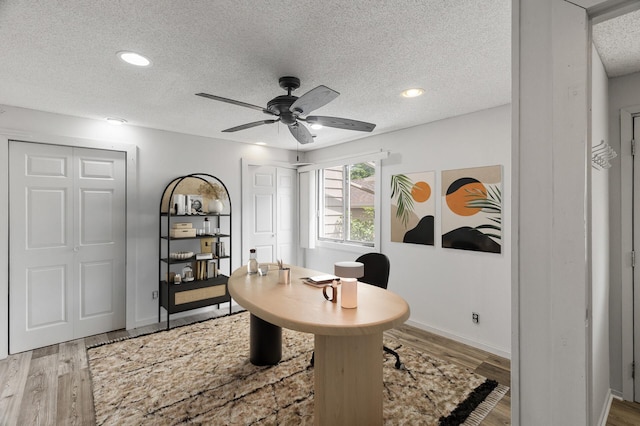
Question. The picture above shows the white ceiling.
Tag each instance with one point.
(61, 57)
(618, 43)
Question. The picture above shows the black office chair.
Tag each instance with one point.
(376, 272)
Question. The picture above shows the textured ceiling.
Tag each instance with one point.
(61, 57)
(618, 43)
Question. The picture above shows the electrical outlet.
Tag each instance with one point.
(475, 317)
(154, 294)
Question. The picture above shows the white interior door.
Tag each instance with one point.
(287, 223)
(67, 243)
(271, 224)
(262, 231)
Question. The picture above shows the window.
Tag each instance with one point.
(347, 203)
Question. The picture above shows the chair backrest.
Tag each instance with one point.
(376, 269)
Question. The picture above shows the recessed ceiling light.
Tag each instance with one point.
(412, 93)
(261, 143)
(316, 126)
(116, 121)
(134, 59)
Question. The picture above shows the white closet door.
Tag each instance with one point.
(99, 205)
(67, 234)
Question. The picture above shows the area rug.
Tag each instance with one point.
(200, 374)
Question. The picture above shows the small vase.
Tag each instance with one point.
(216, 206)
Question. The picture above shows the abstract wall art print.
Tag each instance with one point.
(472, 209)
(413, 208)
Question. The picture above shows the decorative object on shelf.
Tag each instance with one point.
(413, 208)
(284, 274)
(187, 274)
(601, 154)
(472, 209)
(194, 204)
(183, 233)
(252, 266)
(181, 255)
(215, 193)
(349, 272)
(179, 204)
(204, 256)
(216, 206)
(207, 226)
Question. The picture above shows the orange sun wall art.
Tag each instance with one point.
(413, 208)
(472, 209)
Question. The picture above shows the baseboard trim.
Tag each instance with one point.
(478, 345)
(604, 414)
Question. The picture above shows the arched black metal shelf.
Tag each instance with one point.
(206, 289)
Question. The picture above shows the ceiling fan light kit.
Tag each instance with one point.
(133, 58)
(290, 110)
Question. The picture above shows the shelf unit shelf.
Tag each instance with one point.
(185, 296)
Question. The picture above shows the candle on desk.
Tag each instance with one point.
(349, 272)
(349, 293)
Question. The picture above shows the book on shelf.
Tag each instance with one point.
(204, 256)
(212, 269)
(220, 249)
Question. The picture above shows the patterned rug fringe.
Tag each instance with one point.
(464, 410)
(478, 415)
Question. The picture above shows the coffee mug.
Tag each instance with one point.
(334, 292)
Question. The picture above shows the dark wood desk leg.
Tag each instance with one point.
(265, 342)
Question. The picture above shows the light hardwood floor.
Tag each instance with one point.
(51, 385)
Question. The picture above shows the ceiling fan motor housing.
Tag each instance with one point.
(280, 106)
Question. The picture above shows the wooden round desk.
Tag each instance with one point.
(348, 342)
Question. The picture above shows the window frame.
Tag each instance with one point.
(344, 243)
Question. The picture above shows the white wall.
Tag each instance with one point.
(550, 373)
(600, 243)
(442, 298)
(161, 157)
(624, 92)
(443, 286)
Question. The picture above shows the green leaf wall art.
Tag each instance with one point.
(413, 208)
(472, 209)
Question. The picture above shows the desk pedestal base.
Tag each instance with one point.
(348, 380)
(265, 345)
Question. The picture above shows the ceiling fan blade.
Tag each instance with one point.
(249, 125)
(301, 133)
(313, 99)
(341, 123)
(234, 102)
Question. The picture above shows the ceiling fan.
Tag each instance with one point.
(290, 110)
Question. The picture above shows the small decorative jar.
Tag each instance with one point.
(216, 206)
